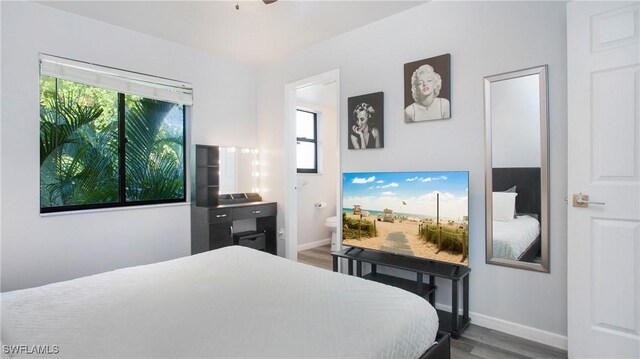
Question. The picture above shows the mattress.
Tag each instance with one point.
(231, 302)
(512, 238)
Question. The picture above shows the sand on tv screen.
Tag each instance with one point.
(419, 214)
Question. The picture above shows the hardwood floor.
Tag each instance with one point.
(317, 257)
(476, 342)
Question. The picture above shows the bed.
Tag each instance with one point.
(230, 302)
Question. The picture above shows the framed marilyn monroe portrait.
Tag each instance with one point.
(427, 94)
(366, 125)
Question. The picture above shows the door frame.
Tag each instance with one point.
(291, 194)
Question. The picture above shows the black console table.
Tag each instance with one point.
(212, 227)
(449, 322)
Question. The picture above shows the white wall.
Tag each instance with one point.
(515, 122)
(38, 250)
(321, 187)
(483, 38)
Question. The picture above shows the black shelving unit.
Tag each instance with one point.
(207, 175)
(449, 322)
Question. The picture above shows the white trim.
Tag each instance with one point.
(519, 330)
(115, 209)
(310, 245)
(291, 173)
(1, 128)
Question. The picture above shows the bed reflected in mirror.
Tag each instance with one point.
(516, 189)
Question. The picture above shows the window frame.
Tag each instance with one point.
(122, 141)
(313, 170)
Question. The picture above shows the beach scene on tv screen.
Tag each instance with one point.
(420, 214)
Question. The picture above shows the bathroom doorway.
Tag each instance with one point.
(317, 192)
(313, 194)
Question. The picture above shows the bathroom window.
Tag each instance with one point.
(307, 141)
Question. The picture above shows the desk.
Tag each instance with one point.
(449, 322)
(212, 227)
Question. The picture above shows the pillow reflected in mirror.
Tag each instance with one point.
(504, 206)
(512, 190)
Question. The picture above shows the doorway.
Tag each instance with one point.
(311, 198)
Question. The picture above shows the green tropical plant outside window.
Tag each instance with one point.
(100, 148)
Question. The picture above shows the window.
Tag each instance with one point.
(307, 141)
(100, 147)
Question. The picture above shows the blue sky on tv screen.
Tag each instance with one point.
(410, 193)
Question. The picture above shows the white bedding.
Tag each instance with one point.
(231, 302)
(512, 238)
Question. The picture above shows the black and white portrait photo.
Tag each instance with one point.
(427, 93)
(366, 125)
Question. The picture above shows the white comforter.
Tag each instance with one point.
(231, 302)
(512, 238)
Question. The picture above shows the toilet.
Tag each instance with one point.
(332, 224)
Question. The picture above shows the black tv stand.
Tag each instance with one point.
(352, 248)
(449, 322)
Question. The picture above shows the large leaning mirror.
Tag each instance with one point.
(517, 172)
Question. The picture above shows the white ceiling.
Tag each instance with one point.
(255, 34)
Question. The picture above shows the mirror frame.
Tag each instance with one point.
(544, 170)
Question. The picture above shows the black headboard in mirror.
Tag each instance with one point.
(527, 182)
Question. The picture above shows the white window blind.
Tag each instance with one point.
(131, 83)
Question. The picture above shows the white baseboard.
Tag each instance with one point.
(519, 330)
(322, 242)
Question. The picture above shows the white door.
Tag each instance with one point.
(604, 162)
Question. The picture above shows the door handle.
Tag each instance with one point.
(582, 201)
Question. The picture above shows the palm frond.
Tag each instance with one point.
(72, 116)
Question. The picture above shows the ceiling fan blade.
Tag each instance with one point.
(269, 1)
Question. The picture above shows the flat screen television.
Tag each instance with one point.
(417, 214)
